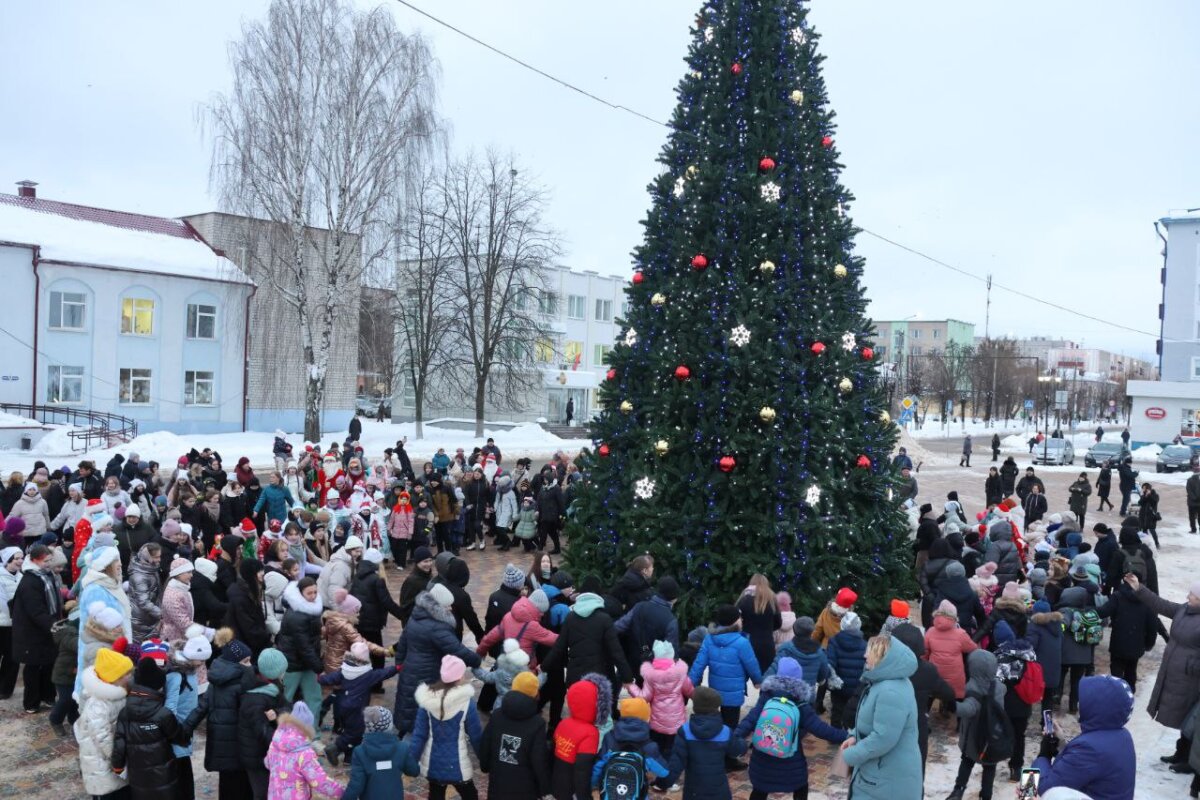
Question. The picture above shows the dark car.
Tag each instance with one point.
(1101, 452)
(1174, 457)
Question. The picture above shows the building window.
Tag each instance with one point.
(600, 353)
(937, 334)
(881, 351)
(573, 354)
(66, 385)
(197, 388)
(408, 392)
(625, 309)
(915, 350)
(604, 310)
(915, 333)
(543, 351)
(137, 316)
(548, 303)
(522, 301)
(67, 310)
(576, 306)
(1196, 369)
(201, 321)
(134, 386)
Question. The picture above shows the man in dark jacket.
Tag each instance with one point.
(927, 683)
(634, 585)
(588, 643)
(377, 603)
(1026, 484)
(1134, 628)
(92, 483)
(454, 574)
(355, 428)
(132, 470)
(1008, 476)
(144, 732)
(208, 609)
(131, 533)
(513, 748)
(551, 507)
(650, 621)
(1034, 505)
(1127, 476)
(417, 581)
(35, 608)
(1193, 499)
(1105, 549)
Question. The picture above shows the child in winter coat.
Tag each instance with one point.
(144, 734)
(829, 621)
(186, 680)
(986, 585)
(380, 762)
(807, 653)
(446, 722)
(66, 639)
(258, 712)
(1081, 632)
(772, 773)
(946, 644)
(630, 734)
(982, 687)
(400, 529)
(577, 738)
(354, 681)
(730, 661)
(847, 652)
(702, 748)
(296, 772)
(785, 632)
(1014, 657)
(1045, 635)
(526, 529)
(513, 748)
(509, 664)
(104, 692)
(666, 687)
(899, 616)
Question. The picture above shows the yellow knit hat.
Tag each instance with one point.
(526, 683)
(635, 707)
(111, 666)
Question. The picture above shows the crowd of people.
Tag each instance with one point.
(146, 609)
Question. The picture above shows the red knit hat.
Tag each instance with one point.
(900, 609)
(248, 526)
(846, 597)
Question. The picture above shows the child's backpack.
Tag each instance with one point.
(993, 733)
(1085, 627)
(624, 777)
(777, 732)
(1031, 688)
(1135, 562)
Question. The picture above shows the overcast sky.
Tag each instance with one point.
(1037, 141)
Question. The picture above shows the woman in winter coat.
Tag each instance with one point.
(1045, 635)
(339, 572)
(505, 504)
(31, 508)
(883, 748)
(207, 609)
(982, 687)
(761, 617)
(178, 611)
(299, 640)
(940, 557)
(233, 508)
(955, 587)
(101, 584)
(1100, 762)
(144, 588)
(377, 603)
(114, 495)
(229, 676)
(666, 687)
(993, 488)
(11, 559)
(946, 644)
(1077, 501)
(275, 499)
(428, 637)
(588, 643)
(187, 679)
(1134, 629)
(446, 723)
(1008, 476)
(144, 733)
(247, 611)
(71, 512)
(1148, 514)
(296, 771)
(339, 631)
(1002, 552)
(103, 699)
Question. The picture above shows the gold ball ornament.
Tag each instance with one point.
(626, 406)
(658, 299)
(693, 171)
(766, 414)
(885, 417)
(840, 271)
(766, 267)
(661, 447)
(845, 385)
(797, 96)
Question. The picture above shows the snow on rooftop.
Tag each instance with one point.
(66, 238)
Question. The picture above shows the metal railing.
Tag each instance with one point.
(94, 426)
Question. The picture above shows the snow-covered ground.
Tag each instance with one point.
(526, 439)
(14, 421)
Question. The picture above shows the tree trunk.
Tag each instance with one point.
(420, 404)
(314, 399)
(480, 393)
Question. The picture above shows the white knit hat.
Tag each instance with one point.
(206, 568)
(197, 649)
(373, 556)
(353, 543)
(441, 595)
(101, 558)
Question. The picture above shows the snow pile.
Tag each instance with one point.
(14, 421)
(1149, 452)
(55, 443)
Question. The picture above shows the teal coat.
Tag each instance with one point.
(886, 756)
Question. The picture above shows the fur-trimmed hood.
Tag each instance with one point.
(433, 609)
(1047, 618)
(443, 706)
(94, 687)
(296, 601)
(292, 735)
(1009, 604)
(795, 688)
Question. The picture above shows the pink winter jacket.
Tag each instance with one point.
(524, 621)
(400, 522)
(666, 688)
(945, 646)
(296, 772)
(178, 612)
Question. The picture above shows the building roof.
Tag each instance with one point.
(77, 234)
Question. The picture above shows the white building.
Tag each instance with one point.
(122, 314)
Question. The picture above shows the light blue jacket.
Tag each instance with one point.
(886, 755)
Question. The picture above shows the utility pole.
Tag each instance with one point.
(987, 338)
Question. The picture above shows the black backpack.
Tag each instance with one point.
(624, 777)
(993, 732)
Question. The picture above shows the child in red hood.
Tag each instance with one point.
(577, 738)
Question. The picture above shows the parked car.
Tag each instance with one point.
(366, 406)
(1174, 457)
(1055, 452)
(1097, 454)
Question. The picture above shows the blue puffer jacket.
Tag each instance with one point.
(1100, 762)
(444, 726)
(428, 636)
(808, 654)
(278, 501)
(847, 652)
(1045, 635)
(768, 773)
(181, 699)
(699, 754)
(368, 781)
(730, 661)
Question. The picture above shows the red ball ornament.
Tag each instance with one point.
(766, 164)
(603, 450)
(682, 373)
(699, 261)
(827, 141)
(818, 348)
(864, 462)
(736, 69)
(611, 375)
(868, 353)
(638, 277)
(727, 463)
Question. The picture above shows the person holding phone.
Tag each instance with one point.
(1100, 762)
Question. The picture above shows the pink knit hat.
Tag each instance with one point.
(946, 609)
(360, 652)
(1011, 591)
(986, 571)
(345, 602)
(453, 669)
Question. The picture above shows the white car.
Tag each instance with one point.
(1056, 452)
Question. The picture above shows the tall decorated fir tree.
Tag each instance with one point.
(744, 426)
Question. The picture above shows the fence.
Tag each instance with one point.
(95, 427)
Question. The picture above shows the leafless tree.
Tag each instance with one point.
(327, 106)
(501, 248)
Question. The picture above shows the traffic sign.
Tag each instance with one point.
(1028, 405)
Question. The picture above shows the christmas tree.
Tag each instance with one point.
(744, 426)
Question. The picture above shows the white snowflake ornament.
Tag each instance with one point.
(630, 337)
(771, 192)
(709, 33)
(678, 190)
(797, 97)
(813, 495)
(740, 336)
(644, 489)
(848, 341)
(799, 36)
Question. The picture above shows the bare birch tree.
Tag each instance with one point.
(502, 248)
(327, 106)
